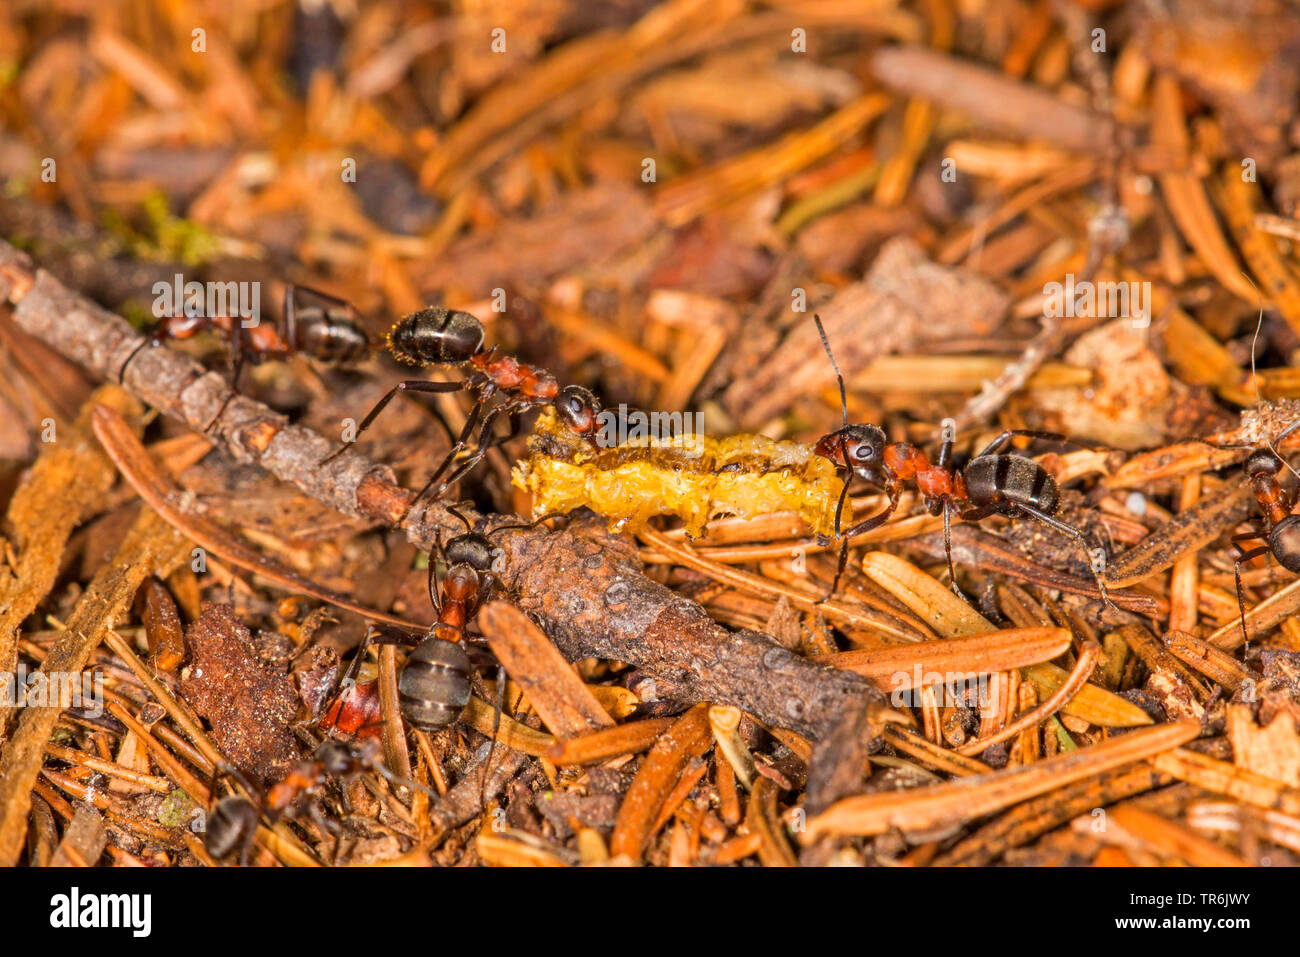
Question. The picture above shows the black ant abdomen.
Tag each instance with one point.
(1010, 480)
(435, 335)
(230, 826)
(434, 686)
(331, 342)
(1284, 543)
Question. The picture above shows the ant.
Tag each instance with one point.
(994, 482)
(453, 337)
(233, 822)
(1276, 502)
(434, 685)
(433, 688)
(322, 326)
(1281, 525)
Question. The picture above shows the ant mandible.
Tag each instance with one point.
(322, 327)
(992, 483)
(453, 337)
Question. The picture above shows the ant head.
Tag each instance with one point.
(1262, 462)
(335, 757)
(470, 549)
(578, 408)
(857, 447)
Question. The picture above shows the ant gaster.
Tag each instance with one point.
(321, 327)
(453, 337)
(992, 483)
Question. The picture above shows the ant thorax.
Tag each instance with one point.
(695, 477)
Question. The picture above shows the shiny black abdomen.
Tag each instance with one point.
(1010, 480)
(1284, 542)
(230, 826)
(433, 688)
(435, 335)
(334, 341)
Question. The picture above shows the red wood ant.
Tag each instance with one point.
(994, 482)
(234, 819)
(320, 326)
(1281, 526)
(1276, 503)
(435, 683)
(452, 337)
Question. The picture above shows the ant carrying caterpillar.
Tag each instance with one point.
(695, 477)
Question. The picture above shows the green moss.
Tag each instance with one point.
(176, 809)
(162, 236)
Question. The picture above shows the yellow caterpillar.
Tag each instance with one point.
(695, 477)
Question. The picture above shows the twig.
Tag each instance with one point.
(584, 591)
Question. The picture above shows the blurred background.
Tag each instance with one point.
(651, 198)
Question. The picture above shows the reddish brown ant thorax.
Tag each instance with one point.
(905, 461)
(935, 482)
(540, 385)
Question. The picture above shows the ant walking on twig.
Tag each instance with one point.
(994, 482)
(452, 337)
(314, 324)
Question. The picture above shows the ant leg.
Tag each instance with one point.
(407, 385)
(839, 506)
(1243, 557)
(947, 544)
(949, 432)
(875, 521)
(979, 513)
(1096, 563)
(390, 635)
(237, 358)
(121, 373)
(157, 336)
(842, 564)
(865, 526)
(434, 586)
(1003, 440)
(466, 466)
(461, 443)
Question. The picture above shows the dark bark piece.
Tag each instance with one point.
(248, 701)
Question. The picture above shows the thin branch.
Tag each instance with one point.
(586, 591)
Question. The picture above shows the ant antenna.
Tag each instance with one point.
(1254, 378)
(455, 510)
(433, 577)
(399, 781)
(844, 399)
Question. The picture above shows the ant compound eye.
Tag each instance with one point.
(578, 408)
(863, 452)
